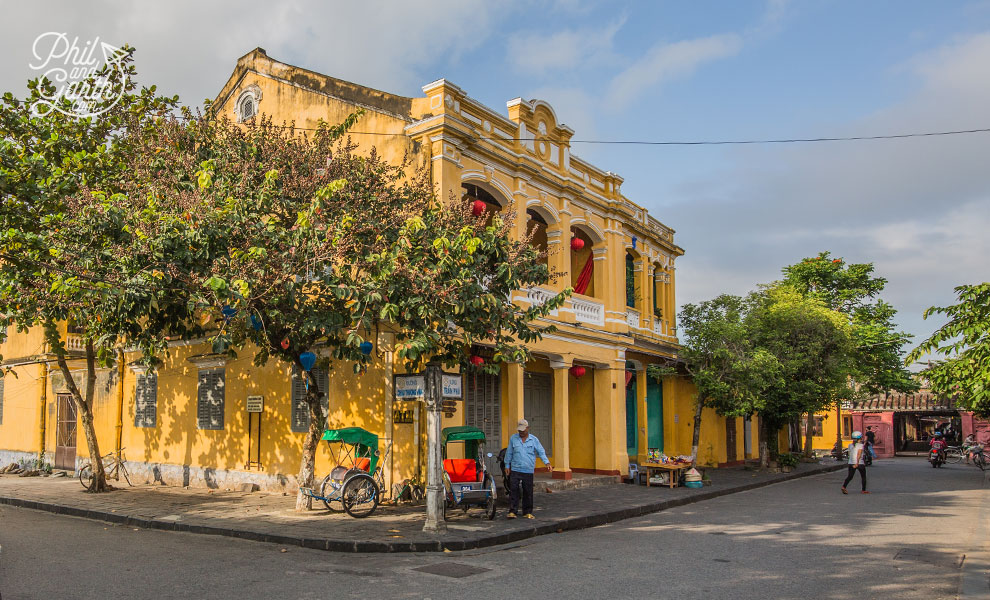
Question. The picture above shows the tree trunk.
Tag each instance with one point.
(808, 450)
(696, 435)
(765, 434)
(307, 466)
(84, 405)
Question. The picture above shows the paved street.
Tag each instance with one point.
(800, 539)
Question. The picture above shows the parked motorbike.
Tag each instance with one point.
(936, 457)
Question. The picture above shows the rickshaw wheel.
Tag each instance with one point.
(360, 496)
(490, 508)
(326, 490)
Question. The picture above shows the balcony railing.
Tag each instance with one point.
(632, 317)
(537, 296)
(75, 342)
(586, 311)
(657, 326)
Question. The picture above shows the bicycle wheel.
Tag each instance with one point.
(360, 497)
(328, 490)
(490, 508)
(953, 456)
(86, 476)
(980, 460)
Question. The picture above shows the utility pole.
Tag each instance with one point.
(434, 480)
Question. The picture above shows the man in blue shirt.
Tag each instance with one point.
(520, 462)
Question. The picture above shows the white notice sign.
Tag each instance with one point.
(452, 386)
(255, 404)
(410, 387)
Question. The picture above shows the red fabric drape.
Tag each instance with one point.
(584, 279)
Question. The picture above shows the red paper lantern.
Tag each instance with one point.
(477, 361)
(577, 371)
(478, 208)
(577, 243)
(285, 344)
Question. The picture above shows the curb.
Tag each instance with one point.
(438, 545)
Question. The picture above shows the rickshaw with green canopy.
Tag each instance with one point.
(467, 481)
(355, 484)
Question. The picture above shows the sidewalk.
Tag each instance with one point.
(267, 517)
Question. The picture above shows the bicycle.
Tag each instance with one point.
(113, 466)
(954, 454)
(980, 459)
(409, 489)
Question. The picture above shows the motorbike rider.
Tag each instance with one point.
(938, 443)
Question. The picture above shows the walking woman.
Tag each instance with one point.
(856, 462)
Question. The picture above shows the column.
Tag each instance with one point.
(610, 419)
(671, 304)
(513, 407)
(434, 463)
(561, 421)
(642, 439)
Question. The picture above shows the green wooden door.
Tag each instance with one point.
(654, 414)
(631, 425)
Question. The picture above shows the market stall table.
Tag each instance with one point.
(674, 469)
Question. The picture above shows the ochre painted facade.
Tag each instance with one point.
(519, 163)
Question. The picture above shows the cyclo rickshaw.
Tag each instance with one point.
(355, 484)
(466, 481)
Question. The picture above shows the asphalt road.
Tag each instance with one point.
(922, 533)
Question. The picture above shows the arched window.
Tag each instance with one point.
(657, 290)
(537, 229)
(248, 109)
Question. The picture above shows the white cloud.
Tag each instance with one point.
(536, 53)
(190, 47)
(918, 208)
(664, 62)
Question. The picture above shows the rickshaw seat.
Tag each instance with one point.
(461, 469)
(363, 463)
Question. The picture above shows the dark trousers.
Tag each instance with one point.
(852, 471)
(521, 482)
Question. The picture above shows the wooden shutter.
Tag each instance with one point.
(300, 411)
(209, 410)
(146, 400)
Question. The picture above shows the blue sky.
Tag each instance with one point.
(661, 70)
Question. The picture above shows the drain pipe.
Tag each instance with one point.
(42, 410)
(120, 397)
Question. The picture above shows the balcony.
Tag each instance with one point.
(537, 296)
(657, 326)
(587, 311)
(75, 343)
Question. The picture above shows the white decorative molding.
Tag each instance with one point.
(537, 296)
(632, 317)
(587, 311)
(246, 106)
(208, 361)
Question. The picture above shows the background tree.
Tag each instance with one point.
(854, 290)
(813, 348)
(305, 244)
(67, 246)
(963, 344)
(718, 355)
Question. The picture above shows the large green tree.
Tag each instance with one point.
(718, 355)
(68, 250)
(309, 245)
(814, 349)
(961, 349)
(854, 290)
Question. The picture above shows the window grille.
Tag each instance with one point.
(146, 400)
(300, 410)
(209, 410)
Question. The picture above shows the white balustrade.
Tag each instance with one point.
(74, 342)
(632, 317)
(586, 311)
(537, 296)
(657, 326)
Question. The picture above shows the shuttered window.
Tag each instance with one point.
(146, 400)
(300, 410)
(209, 410)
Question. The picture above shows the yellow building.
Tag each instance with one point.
(586, 392)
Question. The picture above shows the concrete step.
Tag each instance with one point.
(579, 481)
